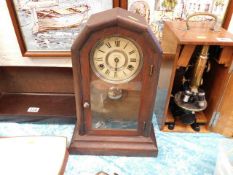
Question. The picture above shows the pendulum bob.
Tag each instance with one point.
(118, 98)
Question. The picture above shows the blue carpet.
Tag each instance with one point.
(179, 153)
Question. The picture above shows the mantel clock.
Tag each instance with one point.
(116, 61)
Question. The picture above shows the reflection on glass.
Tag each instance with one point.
(115, 106)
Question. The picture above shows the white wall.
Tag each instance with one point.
(10, 54)
(230, 28)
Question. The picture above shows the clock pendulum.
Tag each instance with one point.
(116, 61)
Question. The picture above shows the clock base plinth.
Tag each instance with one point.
(114, 145)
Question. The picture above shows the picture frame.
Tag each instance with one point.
(158, 11)
(47, 28)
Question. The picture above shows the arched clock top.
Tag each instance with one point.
(116, 17)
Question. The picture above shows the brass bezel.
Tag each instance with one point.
(117, 81)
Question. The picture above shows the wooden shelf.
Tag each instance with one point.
(200, 116)
(15, 106)
(180, 127)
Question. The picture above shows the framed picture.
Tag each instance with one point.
(158, 11)
(143, 7)
(47, 28)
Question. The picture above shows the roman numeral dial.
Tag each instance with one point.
(116, 59)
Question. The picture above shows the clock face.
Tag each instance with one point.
(116, 59)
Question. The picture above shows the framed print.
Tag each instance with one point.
(142, 7)
(158, 11)
(47, 28)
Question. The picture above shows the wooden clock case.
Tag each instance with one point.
(179, 45)
(141, 141)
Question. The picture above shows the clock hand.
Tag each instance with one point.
(116, 61)
(116, 66)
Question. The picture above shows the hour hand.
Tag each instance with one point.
(116, 61)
